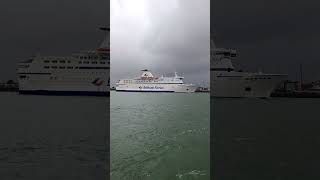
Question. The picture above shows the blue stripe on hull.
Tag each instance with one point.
(141, 91)
(64, 93)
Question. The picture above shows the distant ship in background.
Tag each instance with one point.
(149, 83)
(84, 73)
(227, 82)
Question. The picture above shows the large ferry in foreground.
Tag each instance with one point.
(149, 83)
(227, 82)
(83, 73)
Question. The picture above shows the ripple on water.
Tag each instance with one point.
(194, 174)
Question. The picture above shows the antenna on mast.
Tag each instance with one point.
(301, 78)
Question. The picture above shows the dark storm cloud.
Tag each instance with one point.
(164, 36)
(275, 36)
(48, 27)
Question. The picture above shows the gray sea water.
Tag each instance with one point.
(265, 139)
(160, 136)
(53, 137)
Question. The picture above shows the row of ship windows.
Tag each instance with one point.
(56, 78)
(128, 81)
(91, 57)
(258, 78)
(141, 81)
(71, 67)
(80, 62)
(92, 62)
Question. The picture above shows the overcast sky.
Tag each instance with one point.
(161, 35)
(271, 35)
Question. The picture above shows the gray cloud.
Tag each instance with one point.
(164, 36)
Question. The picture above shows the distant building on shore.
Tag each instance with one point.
(10, 85)
(202, 89)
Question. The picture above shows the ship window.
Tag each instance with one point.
(63, 61)
(81, 57)
(54, 61)
(104, 57)
(94, 62)
(54, 67)
(248, 89)
(24, 66)
(23, 76)
(86, 62)
(46, 67)
(85, 57)
(62, 67)
(80, 62)
(28, 61)
(102, 62)
(46, 61)
(69, 67)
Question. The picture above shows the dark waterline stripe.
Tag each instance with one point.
(87, 67)
(231, 76)
(37, 73)
(221, 69)
(64, 93)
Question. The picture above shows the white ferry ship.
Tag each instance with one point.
(227, 82)
(84, 73)
(149, 83)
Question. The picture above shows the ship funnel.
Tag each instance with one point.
(212, 47)
(177, 76)
(106, 42)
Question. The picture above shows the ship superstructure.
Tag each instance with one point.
(149, 83)
(82, 73)
(227, 82)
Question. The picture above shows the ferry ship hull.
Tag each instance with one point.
(43, 85)
(227, 82)
(148, 83)
(63, 93)
(174, 88)
(237, 86)
(84, 73)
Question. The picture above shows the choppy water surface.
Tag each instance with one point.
(159, 136)
(52, 137)
(265, 139)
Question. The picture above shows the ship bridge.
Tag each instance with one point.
(221, 58)
(147, 75)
